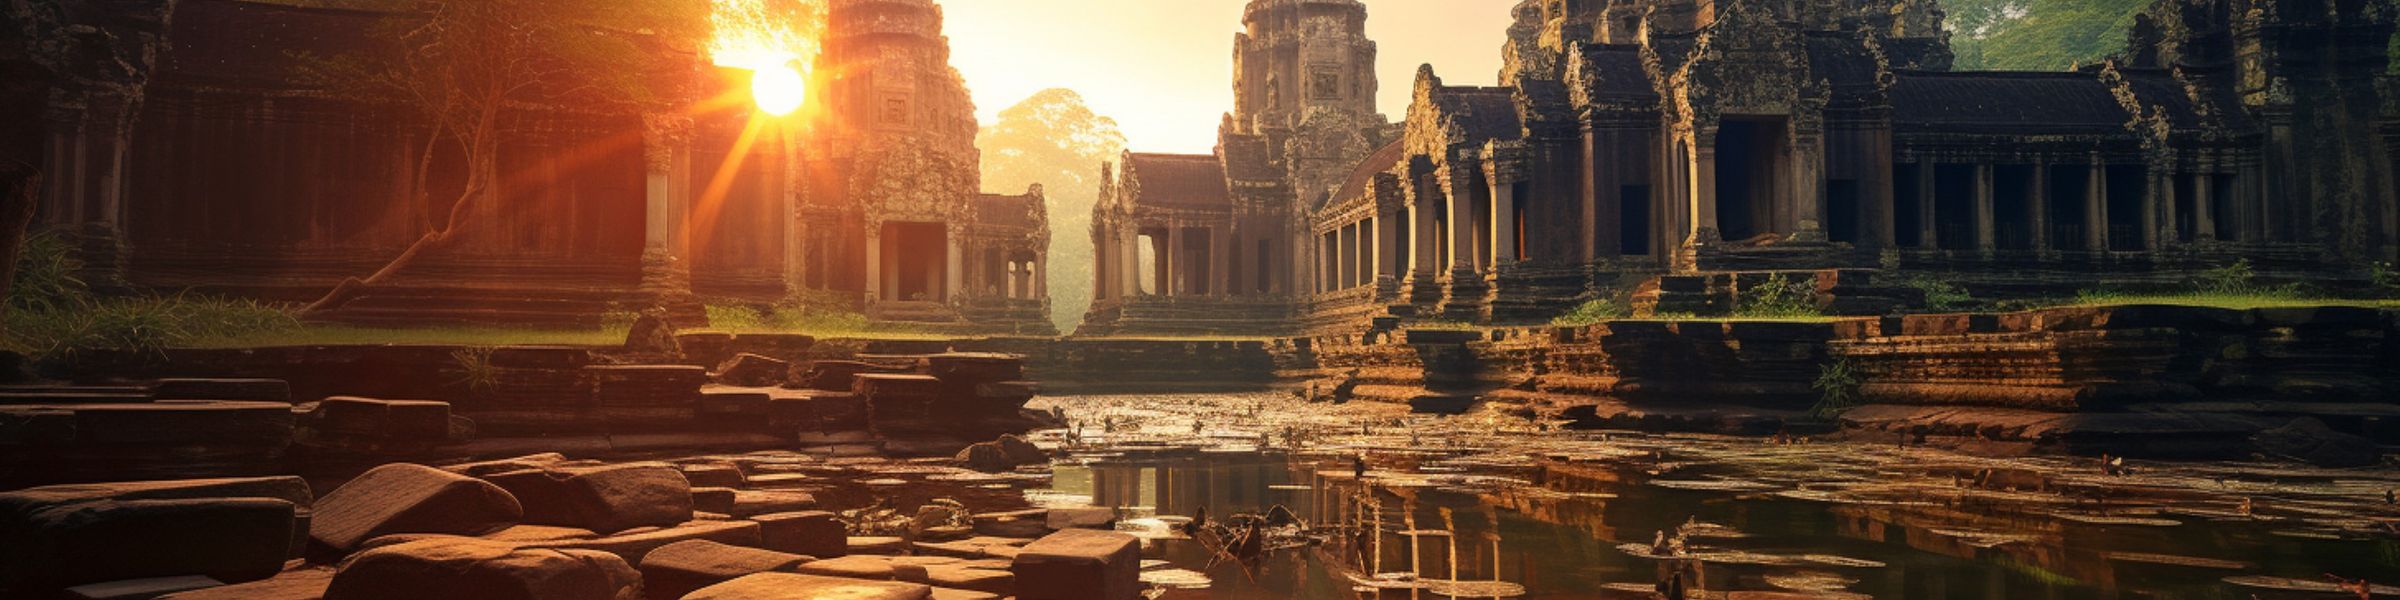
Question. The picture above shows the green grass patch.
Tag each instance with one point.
(349, 335)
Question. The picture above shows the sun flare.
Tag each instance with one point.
(778, 90)
(774, 40)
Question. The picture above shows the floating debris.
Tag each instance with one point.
(2179, 561)
(1178, 579)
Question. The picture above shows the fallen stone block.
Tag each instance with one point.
(972, 577)
(794, 586)
(712, 500)
(141, 589)
(460, 568)
(407, 498)
(715, 475)
(943, 593)
(880, 568)
(759, 502)
(414, 420)
(812, 533)
(264, 390)
(986, 457)
(1021, 452)
(76, 543)
(297, 584)
(521, 463)
(680, 568)
(752, 370)
(607, 499)
(1083, 517)
(1025, 524)
(633, 547)
(1079, 564)
(875, 544)
(734, 403)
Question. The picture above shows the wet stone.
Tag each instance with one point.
(1078, 564)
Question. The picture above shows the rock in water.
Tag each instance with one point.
(1021, 452)
(2309, 440)
(1080, 564)
(986, 457)
(605, 499)
(471, 569)
(406, 498)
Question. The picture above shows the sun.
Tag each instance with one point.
(778, 90)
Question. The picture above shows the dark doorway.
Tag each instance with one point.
(1842, 211)
(2126, 184)
(2068, 195)
(1907, 206)
(2225, 207)
(1404, 241)
(1748, 153)
(1194, 259)
(1265, 270)
(1633, 220)
(2012, 207)
(915, 261)
(2187, 208)
(1954, 206)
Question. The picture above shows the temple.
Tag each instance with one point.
(1670, 150)
(233, 173)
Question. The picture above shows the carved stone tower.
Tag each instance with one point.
(1300, 56)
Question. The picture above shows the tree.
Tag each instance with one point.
(2038, 35)
(464, 66)
(1054, 139)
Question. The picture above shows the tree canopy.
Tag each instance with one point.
(2037, 35)
(1054, 139)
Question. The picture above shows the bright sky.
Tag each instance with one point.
(1164, 68)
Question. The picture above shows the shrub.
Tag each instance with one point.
(1837, 389)
(2385, 277)
(54, 319)
(1777, 297)
(1939, 294)
(1593, 311)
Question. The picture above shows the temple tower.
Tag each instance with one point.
(1296, 57)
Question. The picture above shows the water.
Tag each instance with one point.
(1566, 515)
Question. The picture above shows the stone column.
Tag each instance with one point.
(1423, 238)
(2037, 205)
(2095, 207)
(1220, 246)
(1929, 234)
(1129, 261)
(1371, 242)
(667, 157)
(954, 271)
(1808, 188)
(2204, 211)
(1504, 220)
(1170, 273)
(1041, 278)
(874, 261)
(1702, 180)
(2158, 207)
(1463, 253)
(1986, 225)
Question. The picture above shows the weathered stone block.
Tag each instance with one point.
(76, 543)
(460, 568)
(606, 498)
(406, 498)
(680, 568)
(264, 390)
(759, 502)
(793, 586)
(423, 420)
(298, 584)
(812, 533)
(752, 370)
(635, 546)
(141, 589)
(1079, 564)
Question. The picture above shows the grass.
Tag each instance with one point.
(2235, 301)
(346, 335)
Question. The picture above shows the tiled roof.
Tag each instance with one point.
(2006, 103)
(1178, 178)
(1362, 177)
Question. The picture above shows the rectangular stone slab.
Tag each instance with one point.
(795, 586)
(1080, 564)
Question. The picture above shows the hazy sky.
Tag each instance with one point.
(1163, 68)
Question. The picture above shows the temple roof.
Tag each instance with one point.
(1481, 113)
(1020, 211)
(1178, 178)
(1362, 177)
(1842, 61)
(1617, 71)
(2006, 103)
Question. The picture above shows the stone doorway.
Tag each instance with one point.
(1750, 177)
(915, 262)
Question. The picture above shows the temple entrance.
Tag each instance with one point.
(2126, 185)
(1842, 211)
(2068, 224)
(1633, 220)
(1150, 249)
(1193, 260)
(915, 261)
(1908, 206)
(2012, 207)
(1954, 206)
(1750, 152)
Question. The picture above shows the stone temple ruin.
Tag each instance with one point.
(222, 175)
(1673, 149)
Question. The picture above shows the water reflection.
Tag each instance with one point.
(1563, 516)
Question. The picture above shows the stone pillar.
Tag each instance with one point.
(1463, 253)
(1880, 193)
(667, 183)
(1929, 235)
(1169, 271)
(954, 271)
(2095, 207)
(1129, 261)
(874, 262)
(1423, 238)
(1702, 180)
(1220, 253)
(2204, 211)
(1041, 278)
(1986, 225)
(1808, 188)
(1370, 242)
(2037, 205)
(2158, 207)
(1504, 221)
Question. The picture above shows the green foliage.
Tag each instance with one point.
(1939, 294)
(1592, 312)
(2236, 278)
(819, 315)
(1777, 297)
(475, 368)
(1055, 140)
(54, 319)
(2037, 35)
(1837, 389)
(2385, 277)
(45, 278)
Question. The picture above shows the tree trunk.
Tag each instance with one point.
(483, 166)
(17, 202)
